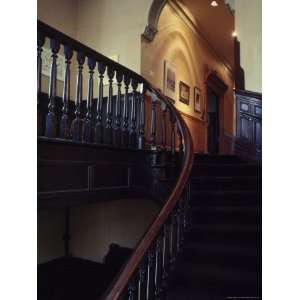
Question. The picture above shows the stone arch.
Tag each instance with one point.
(153, 17)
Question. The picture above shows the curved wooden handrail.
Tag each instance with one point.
(118, 286)
(121, 282)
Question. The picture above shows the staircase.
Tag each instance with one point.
(130, 141)
(222, 250)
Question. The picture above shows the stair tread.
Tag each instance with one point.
(226, 209)
(217, 247)
(225, 192)
(214, 273)
(226, 227)
(227, 164)
(222, 251)
(225, 178)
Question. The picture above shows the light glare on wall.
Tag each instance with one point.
(234, 34)
(214, 3)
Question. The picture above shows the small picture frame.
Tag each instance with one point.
(197, 100)
(170, 80)
(184, 93)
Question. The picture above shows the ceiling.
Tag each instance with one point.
(216, 24)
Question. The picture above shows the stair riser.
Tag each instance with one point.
(225, 170)
(231, 184)
(223, 261)
(223, 159)
(236, 238)
(229, 219)
(198, 199)
(238, 285)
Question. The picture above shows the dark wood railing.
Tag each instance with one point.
(134, 115)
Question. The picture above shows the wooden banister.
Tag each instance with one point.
(118, 287)
(158, 248)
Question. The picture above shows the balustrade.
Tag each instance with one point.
(129, 113)
(119, 118)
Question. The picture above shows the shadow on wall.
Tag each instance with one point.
(94, 228)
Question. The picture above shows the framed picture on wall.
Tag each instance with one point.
(184, 93)
(170, 80)
(197, 100)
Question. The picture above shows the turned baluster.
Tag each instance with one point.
(166, 250)
(151, 275)
(182, 215)
(173, 134)
(88, 122)
(178, 227)
(117, 129)
(163, 125)
(108, 135)
(141, 139)
(142, 286)
(173, 237)
(76, 128)
(40, 43)
(65, 122)
(51, 120)
(158, 267)
(125, 134)
(132, 289)
(187, 208)
(134, 98)
(180, 146)
(153, 121)
(99, 118)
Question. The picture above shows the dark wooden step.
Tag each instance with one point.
(242, 169)
(225, 215)
(221, 233)
(215, 280)
(225, 198)
(209, 158)
(224, 256)
(226, 183)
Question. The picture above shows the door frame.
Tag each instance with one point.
(218, 86)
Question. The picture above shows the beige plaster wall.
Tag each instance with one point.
(248, 22)
(94, 227)
(194, 60)
(61, 14)
(114, 27)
